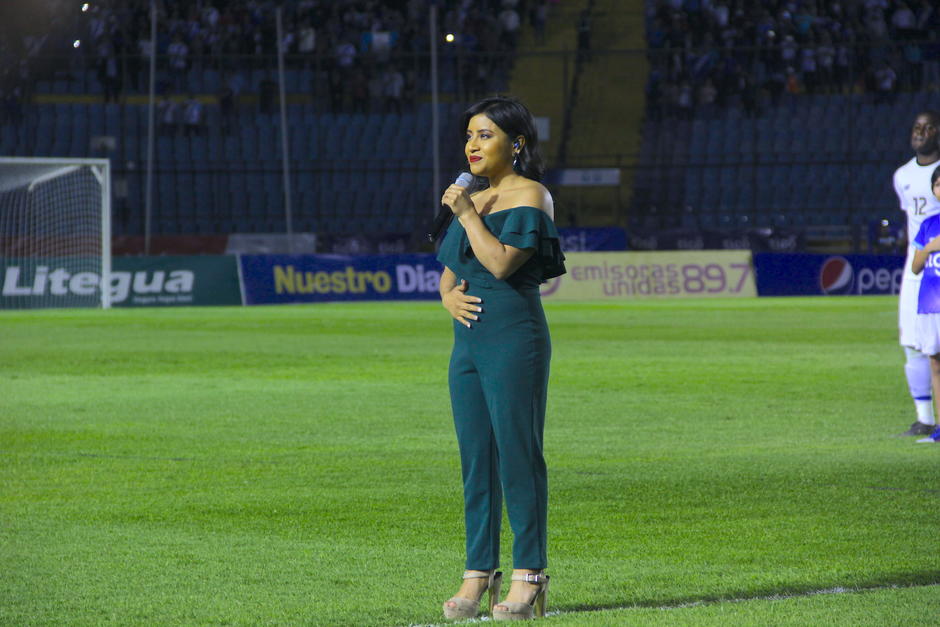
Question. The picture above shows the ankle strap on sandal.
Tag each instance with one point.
(536, 578)
(479, 575)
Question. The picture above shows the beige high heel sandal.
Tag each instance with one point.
(526, 611)
(469, 608)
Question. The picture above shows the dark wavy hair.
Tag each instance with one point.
(515, 119)
(934, 176)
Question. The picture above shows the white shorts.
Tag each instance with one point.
(928, 333)
(907, 312)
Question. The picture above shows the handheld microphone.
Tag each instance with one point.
(445, 214)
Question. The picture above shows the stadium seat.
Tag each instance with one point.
(181, 153)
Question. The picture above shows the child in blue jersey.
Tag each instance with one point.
(927, 260)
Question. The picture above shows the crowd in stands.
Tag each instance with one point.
(372, 52)
(705, 54)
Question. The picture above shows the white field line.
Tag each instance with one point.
(680, 606)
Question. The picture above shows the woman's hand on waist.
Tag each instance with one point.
(461, 306)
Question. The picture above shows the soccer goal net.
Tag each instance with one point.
(55, 233)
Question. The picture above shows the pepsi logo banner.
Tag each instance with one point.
(786, 274)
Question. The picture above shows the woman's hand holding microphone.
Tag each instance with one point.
(461, 306)
(457, 198)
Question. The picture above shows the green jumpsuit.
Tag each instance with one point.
(498, 387)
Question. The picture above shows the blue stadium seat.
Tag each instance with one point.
(272, 181)
(199, 150)
(256, 202)
(181, 153)
(44, 137)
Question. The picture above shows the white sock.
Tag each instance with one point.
(917, 373)
(925, 411)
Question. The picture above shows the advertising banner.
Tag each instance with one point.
(577, 239)
(135, 282)
(784, 274)
(271, 243)
(168, 281)
(37, 282)
(584, 177)
(757, 240)
(362, 244)
(653, 274)
(272, 279)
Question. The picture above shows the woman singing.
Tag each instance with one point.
(497, 251)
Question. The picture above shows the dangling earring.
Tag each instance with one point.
(515, 161)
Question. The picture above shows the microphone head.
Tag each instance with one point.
(464, 179)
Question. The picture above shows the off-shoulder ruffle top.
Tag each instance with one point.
(521, 227)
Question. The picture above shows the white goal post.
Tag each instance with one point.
(55, 232)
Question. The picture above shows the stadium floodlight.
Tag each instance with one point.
(55, 233)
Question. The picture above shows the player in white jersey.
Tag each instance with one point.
(912, 185)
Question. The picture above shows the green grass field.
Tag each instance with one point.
(711, 463)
